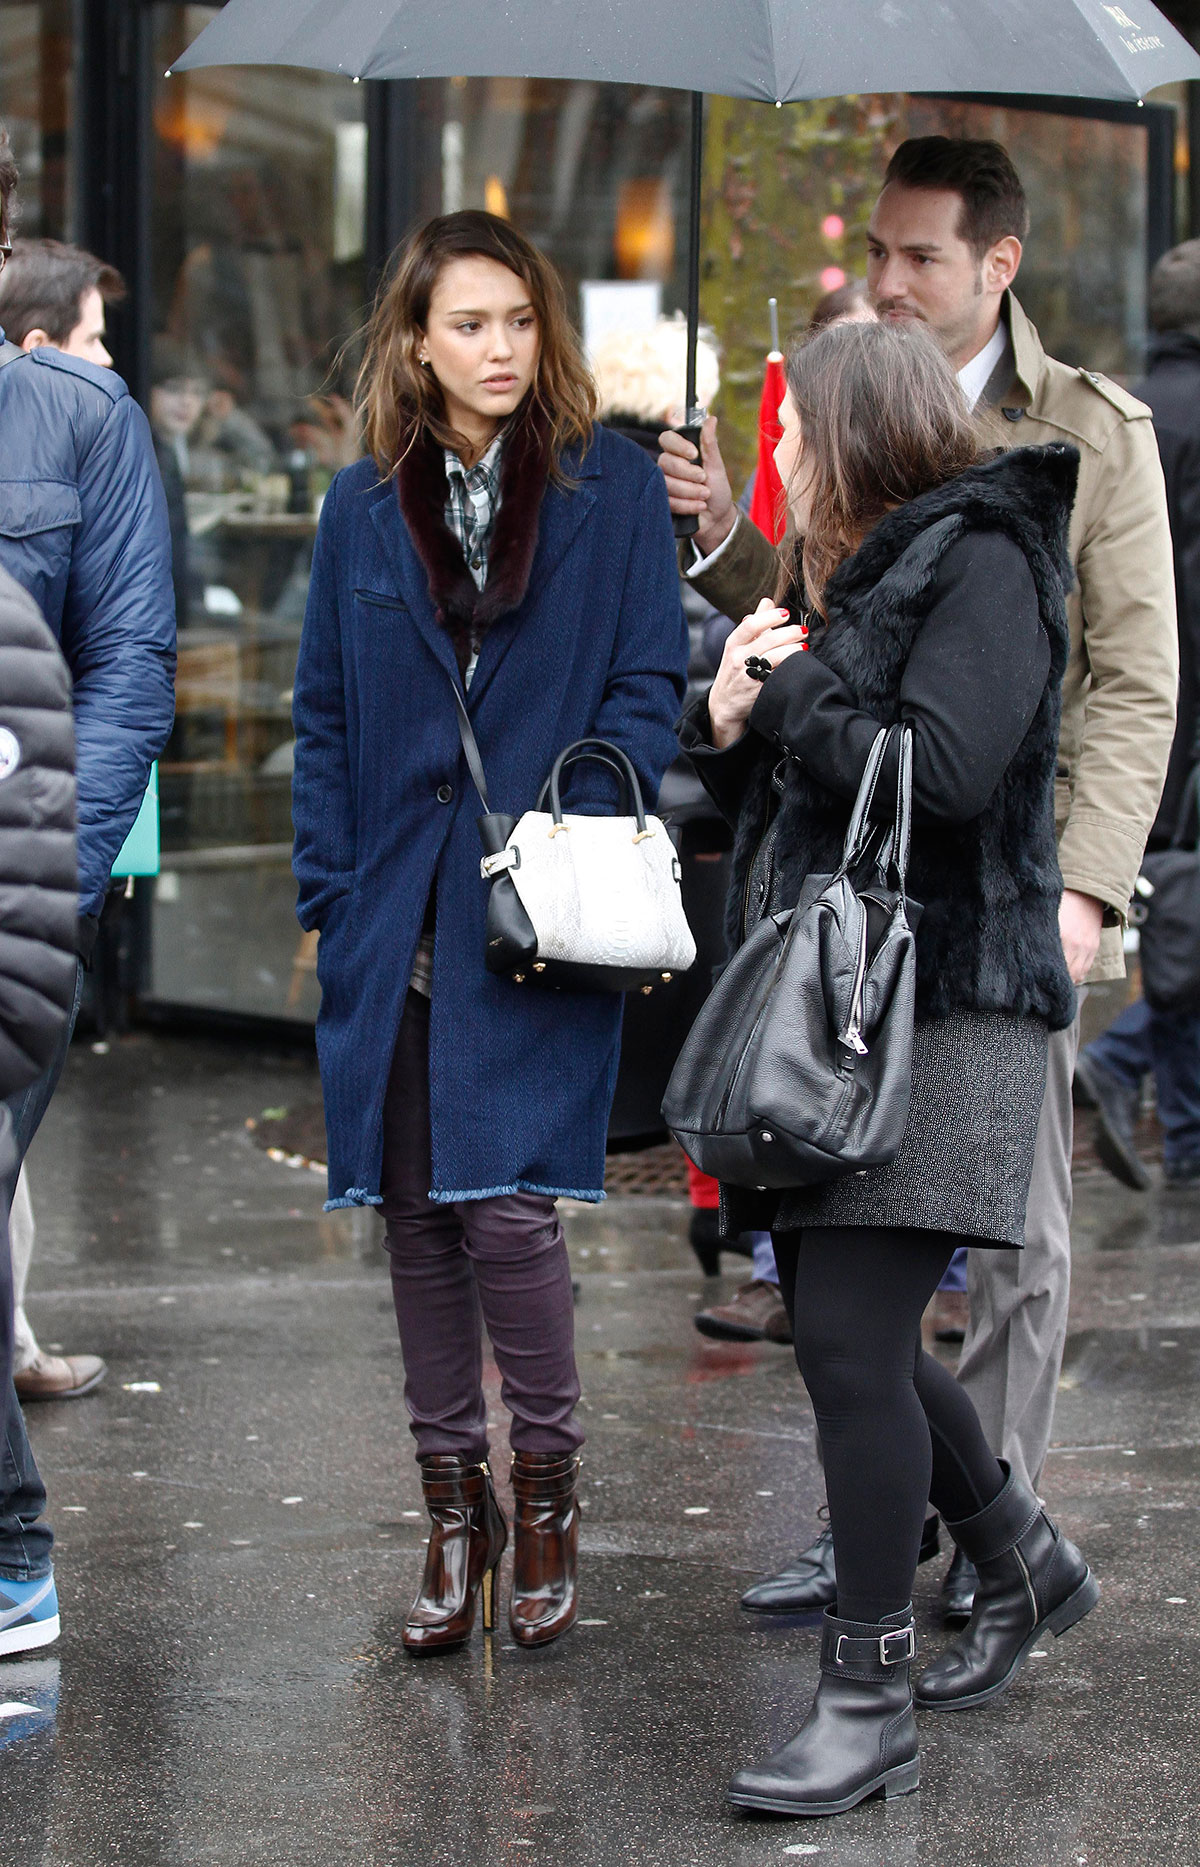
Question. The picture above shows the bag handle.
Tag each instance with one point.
(599, 749)
(860, 828)
(605, 753)
(894, 850)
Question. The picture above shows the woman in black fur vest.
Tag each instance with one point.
(934, 578)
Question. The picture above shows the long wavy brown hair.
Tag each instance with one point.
(398, 402)
(882, 419)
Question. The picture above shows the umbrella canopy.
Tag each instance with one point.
(776, 50)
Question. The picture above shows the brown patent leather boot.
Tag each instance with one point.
(466, 1542)
(544, 1601)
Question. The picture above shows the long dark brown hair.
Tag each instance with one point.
(398, 402)
(883, 419)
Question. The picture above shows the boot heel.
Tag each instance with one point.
(1075, 1606)
(488, 1598)
(902, 1780)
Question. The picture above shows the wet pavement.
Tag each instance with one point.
(240, 1534)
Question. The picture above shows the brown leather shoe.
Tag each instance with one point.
(59, 1377)
(544, 1599)
(466, 1543)
(755, 1313)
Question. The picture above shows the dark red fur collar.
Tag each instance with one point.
(463, 611)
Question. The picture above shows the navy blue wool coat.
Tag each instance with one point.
(521, 1080)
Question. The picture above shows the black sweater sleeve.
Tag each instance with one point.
(723, 773)
(970, 689)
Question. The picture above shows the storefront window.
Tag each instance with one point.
(258, 272)
(37, 72)
(258, 267)
(259, 189)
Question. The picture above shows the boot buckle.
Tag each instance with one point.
(886, 1657)
(909, 1636)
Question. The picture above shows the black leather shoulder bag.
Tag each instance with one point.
(799, 1067)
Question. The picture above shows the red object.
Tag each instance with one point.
(703, 1190)
(767, 503)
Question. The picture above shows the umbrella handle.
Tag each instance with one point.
(687, 524)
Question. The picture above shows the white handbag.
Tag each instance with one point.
(581, 903)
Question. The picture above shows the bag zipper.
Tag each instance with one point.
(851, 1037)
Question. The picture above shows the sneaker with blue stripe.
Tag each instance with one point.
(28, 1614)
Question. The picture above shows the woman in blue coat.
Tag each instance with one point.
(497, 542)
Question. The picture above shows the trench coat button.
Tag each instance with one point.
(444, 793)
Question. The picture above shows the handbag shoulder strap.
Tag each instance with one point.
(470, 744)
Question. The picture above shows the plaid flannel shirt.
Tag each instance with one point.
(472, 502)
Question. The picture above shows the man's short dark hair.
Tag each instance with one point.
(994, 205)
(43, 286)
(1174, 297)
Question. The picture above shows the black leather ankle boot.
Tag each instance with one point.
(809, 1583)
(859, 1739)
(1031, 1580)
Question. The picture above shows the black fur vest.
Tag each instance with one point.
(988, 938)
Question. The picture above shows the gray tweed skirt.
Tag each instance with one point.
(967, 1156)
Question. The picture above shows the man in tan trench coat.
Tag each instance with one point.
(944, 245)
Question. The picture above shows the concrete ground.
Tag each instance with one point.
(240, 1533)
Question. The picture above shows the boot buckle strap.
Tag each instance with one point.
(886, 1658)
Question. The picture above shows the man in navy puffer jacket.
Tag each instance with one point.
(83, 528)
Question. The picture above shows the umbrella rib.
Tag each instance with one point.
(769, 10)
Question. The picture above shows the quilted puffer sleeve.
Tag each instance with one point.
(38, 877)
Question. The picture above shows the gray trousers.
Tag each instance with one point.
(1013, 1353)
(22, 1233)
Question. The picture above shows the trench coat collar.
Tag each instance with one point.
(1018, 376)
(562, 514)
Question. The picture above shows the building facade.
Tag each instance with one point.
(252, 213)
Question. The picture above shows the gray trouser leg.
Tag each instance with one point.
(21, 1234)
(1013, 1352)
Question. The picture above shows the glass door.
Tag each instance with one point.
(258, 204)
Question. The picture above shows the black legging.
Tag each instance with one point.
(896, 1428)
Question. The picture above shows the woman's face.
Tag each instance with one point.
(481, 341)
(789, 462)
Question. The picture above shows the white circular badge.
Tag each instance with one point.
(10, 752)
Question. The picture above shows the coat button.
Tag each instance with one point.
(444, 793)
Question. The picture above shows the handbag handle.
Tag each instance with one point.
(599, 749)
(604, 753)
(894, 850)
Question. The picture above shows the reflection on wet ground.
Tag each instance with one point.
(239, 1528)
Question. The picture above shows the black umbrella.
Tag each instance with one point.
(776, 50)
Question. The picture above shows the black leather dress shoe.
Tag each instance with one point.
(809, 1584)
(1116, 1115)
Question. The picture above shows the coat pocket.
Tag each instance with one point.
(29, 507)
(376, 599)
